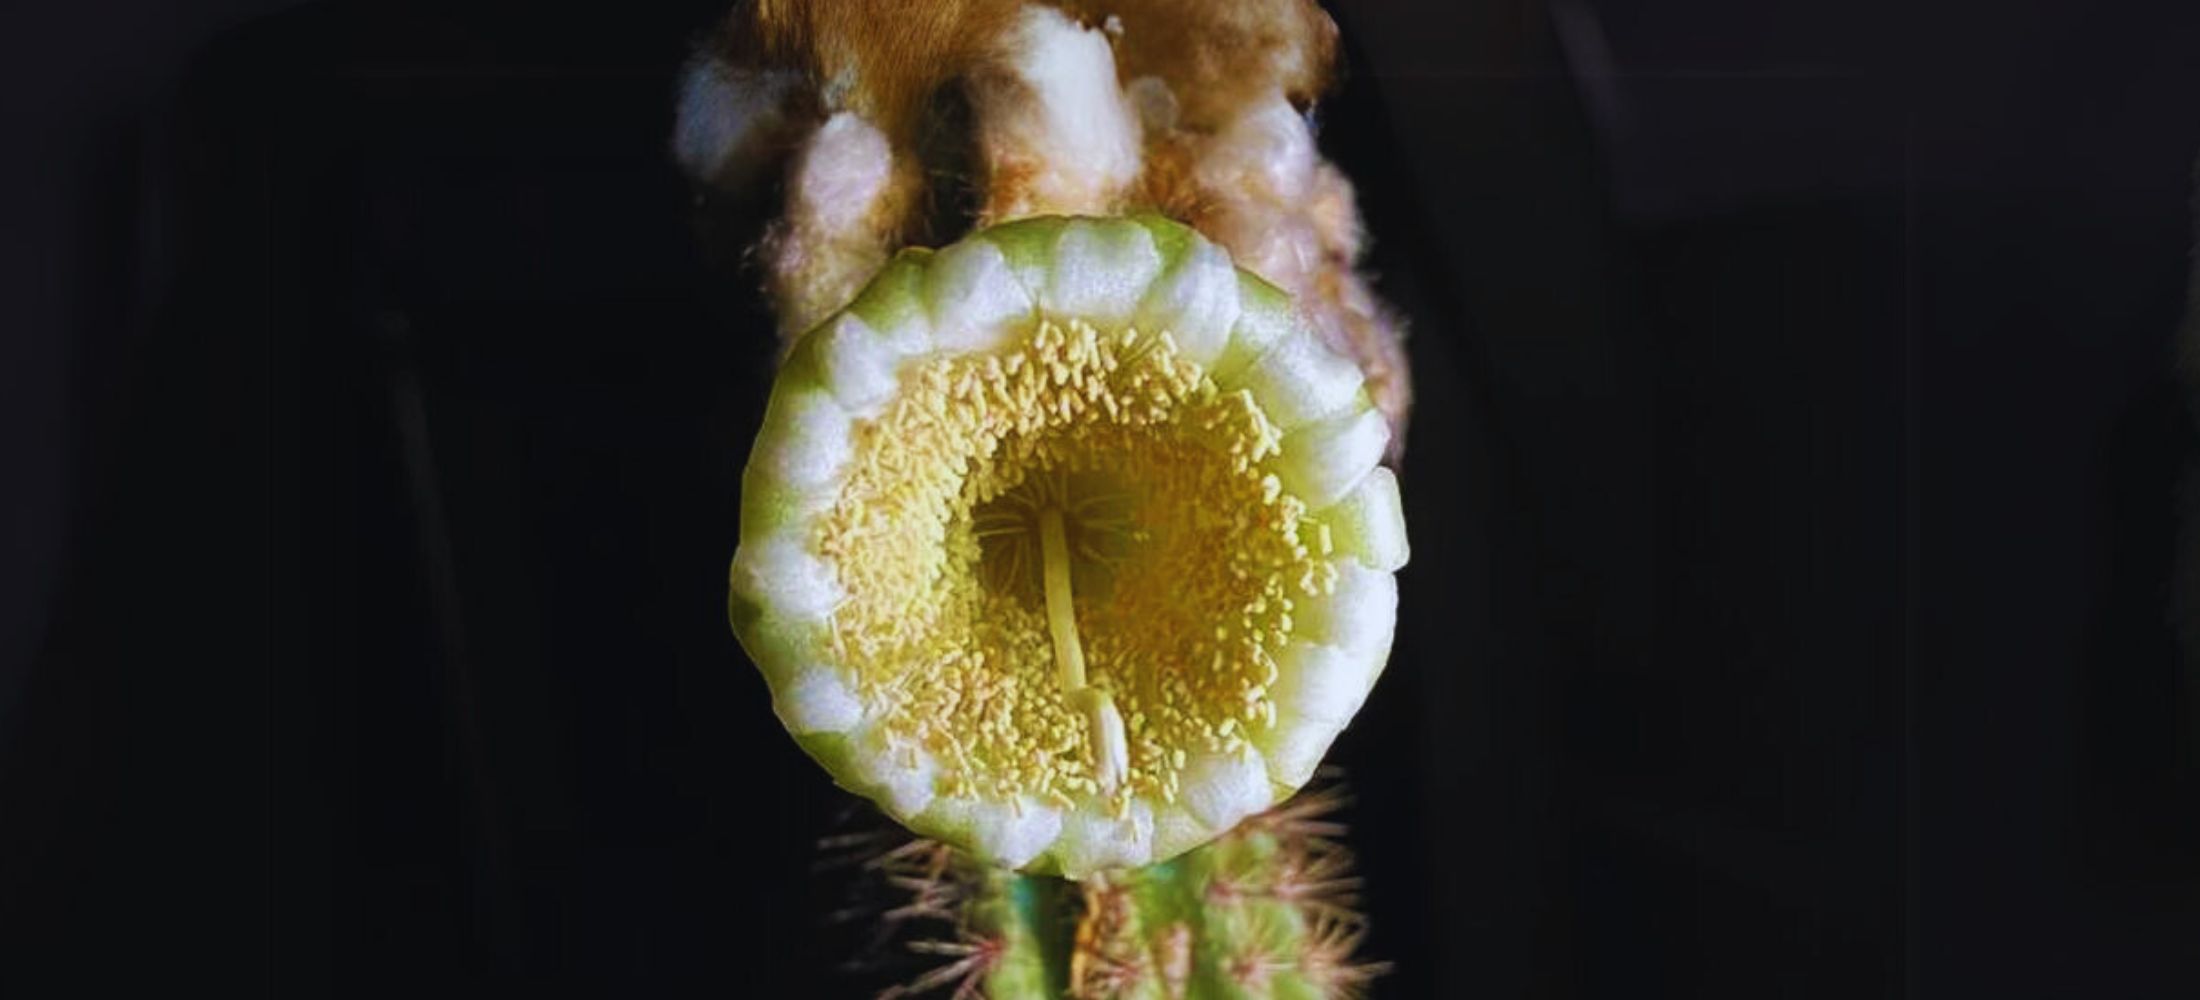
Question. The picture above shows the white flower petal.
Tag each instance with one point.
(898, 775)
(858, 364)
(1357, 616)
(1196, 302)
(1323, 683)
(1369, 524)
(1176, 830)
(784, 579)
(1296, 748)
(1265, 317)
(1222, 789)
(816, 700)
(1300, 380)
(1102, 268)
(998, 832)
(1321, 461)
(976, 301)
(893, 303)
(806, 439)
(1094, 840)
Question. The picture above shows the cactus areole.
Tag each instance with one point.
(1068, 544)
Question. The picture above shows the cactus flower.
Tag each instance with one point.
(1067, 544)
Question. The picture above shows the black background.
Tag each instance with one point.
(1792, 494)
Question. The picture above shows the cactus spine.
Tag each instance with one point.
(1264, 911)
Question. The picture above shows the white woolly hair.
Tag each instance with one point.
(728, 118)
(1209, 131)
(843, 213)
(1289, 215)
(1055, 131)
(845, 171)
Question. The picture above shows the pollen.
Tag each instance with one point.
(1068, 569)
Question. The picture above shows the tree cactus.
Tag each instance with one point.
(1068, 543)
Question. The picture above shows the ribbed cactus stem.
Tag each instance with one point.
(1265, 911)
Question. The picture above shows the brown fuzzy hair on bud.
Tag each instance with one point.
(882, 59)
(1219, 56)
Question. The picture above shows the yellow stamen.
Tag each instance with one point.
(1067, 567)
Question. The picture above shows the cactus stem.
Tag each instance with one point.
(1262, 913)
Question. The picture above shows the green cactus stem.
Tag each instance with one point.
(1264, 911)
